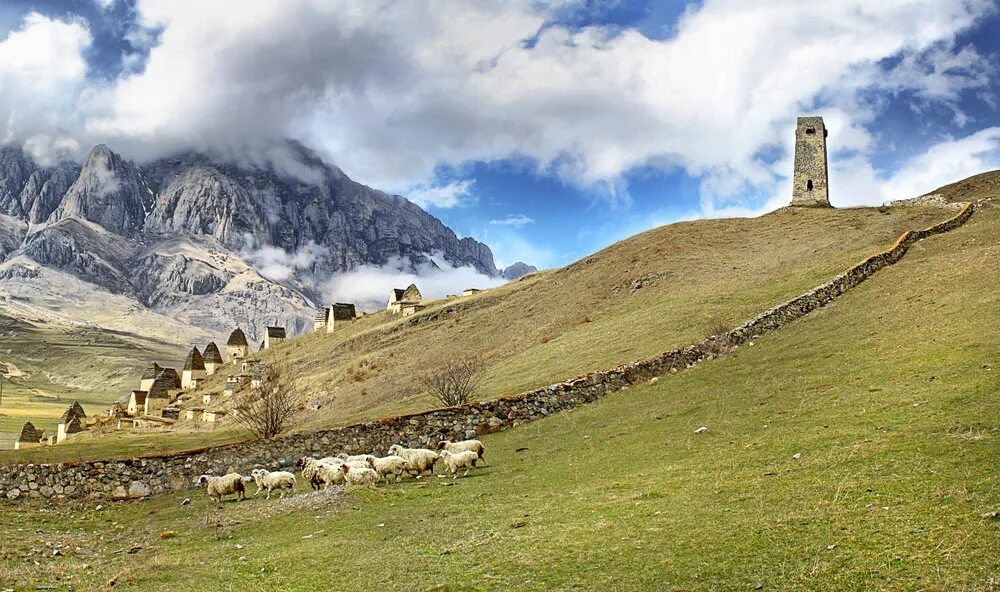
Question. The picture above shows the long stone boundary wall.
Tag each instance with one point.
(143, 476)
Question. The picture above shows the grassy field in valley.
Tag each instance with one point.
(46, 367)
(855, 449)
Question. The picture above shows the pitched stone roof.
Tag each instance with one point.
(161, 387)
(274, 332)
(74, 410)
(152, 372)
(412, 293)
(212, 354)
(237, 337)
(74, 425)
(29, 433)
(396, 294)
(342, 311)
(172, 378)
(194, 360)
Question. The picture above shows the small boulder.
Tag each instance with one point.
(701, 430)
(138, 489)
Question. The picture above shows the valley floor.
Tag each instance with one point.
(856, 449)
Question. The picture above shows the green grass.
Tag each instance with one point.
(889, 395)
(57, 365)
(587, 316)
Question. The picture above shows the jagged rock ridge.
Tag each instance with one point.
(210, 241)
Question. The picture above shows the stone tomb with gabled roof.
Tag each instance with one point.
(273, 336)
(137, 402)
(194, 369)
(29, 436)
(161, 393)
(337, 313)
(401, 299)
(237, 347)
(213, 359)
(71, 422)
(149, 375)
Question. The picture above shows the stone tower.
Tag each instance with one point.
(809, 181)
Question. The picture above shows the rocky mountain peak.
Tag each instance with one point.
(517, 270)
(110, 192)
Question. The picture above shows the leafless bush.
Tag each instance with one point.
(718, 336)
(266, 410)
(455, 381)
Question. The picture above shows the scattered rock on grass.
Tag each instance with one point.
(701, 430)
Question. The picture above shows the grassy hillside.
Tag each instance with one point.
(981, 186)
(853, 450)
(658, 290)
(652, 292)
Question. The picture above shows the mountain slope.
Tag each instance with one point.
(202, 243)
(852, 450)
(661, 289)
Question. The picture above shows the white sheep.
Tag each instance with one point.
(473, 445)
(390, 465)
(366, 463)
(357, 457)
(330, 473)
(418, 460)
(224, 485)
(359, 476)
(309, 471)
(459, 460)
(271, 480)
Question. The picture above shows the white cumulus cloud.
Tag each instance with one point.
(515, 221)
(369, 285)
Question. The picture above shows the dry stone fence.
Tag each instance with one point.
(143, 476)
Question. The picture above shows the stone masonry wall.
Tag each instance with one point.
(143, 476)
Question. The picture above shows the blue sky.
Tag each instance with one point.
(546, 130)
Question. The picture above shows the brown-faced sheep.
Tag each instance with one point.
(224, 485)
(473, 445)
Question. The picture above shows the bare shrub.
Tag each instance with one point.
(718, 337)
(456, 381)
(266, 410)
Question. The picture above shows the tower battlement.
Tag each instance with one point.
(810, 179)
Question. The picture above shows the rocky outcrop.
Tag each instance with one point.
(255, 240)
(15, 169)
(44, 191)
(109, 192)
(84, 250)
(517, 270)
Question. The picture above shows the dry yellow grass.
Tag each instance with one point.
(655, 291)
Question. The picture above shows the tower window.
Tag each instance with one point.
(810, 131)
(809, 185)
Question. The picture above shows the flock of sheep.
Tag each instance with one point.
(358, 470)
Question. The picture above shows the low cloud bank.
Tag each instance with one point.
(368, 286)
(278, 265)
